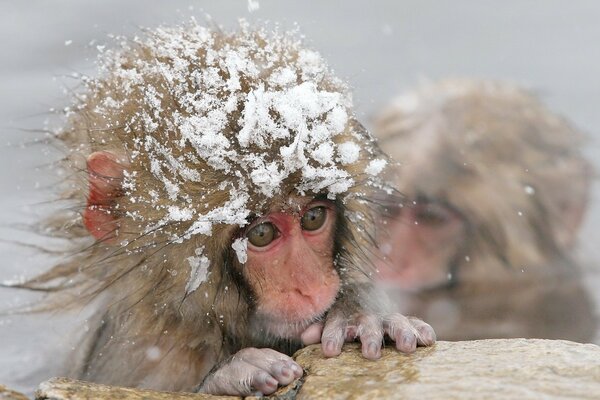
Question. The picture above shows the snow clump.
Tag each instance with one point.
(231, 115)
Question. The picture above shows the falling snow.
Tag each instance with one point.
(253, 5)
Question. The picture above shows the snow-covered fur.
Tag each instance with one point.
(216, 128)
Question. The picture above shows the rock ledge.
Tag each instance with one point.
(491, 369)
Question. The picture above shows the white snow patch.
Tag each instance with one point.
(348, 152)
(240, 245)
(324, 154)
(375, 166)
(283, 77)
(180, 214)
(199, 270)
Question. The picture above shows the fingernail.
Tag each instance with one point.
(430, 336)
(373, 349)
(271, 381)
(296, 368)
(330, 346)
(286, 372)
(426, 336)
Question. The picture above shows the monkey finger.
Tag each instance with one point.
(280, 366)
(402, 332)
(370, 331)
(334, 335)
(260, 381)
(425, 333)
(312, 334)
(239, 378)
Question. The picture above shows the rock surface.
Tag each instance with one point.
(69, 389)
(490, 369)
(481, 369)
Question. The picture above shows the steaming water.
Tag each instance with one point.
(380, 51)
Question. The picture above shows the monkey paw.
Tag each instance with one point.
(252, 371)
(406, 332)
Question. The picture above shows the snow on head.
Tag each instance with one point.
(239, 117)
(376, 166)
(348, 152)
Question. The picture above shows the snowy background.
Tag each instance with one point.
(381, 47)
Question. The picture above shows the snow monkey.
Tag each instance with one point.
(495, 190)
(227, 188)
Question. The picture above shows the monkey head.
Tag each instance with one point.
(490, 177)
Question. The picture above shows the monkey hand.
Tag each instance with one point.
(251, 371)
(370, 328)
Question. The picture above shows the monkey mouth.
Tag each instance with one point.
(287, 314)
(287, 328)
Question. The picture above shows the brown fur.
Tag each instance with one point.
(141, 278)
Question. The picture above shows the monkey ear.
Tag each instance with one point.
(105, 176)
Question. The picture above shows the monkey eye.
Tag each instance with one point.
(314, 218)
(432, 214)
(262, 234)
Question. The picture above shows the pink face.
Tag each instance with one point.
(290, 254)
(290, 267)
(419, 246)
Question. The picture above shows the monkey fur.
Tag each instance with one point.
(188, 135)
(502, 187)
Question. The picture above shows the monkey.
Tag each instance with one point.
(496, 188)
(224, 214)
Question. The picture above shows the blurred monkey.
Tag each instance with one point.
(496, 189)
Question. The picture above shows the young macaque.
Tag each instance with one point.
(228, 187)
(496, 188)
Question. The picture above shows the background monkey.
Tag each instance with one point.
(228, 189)
(496, 189)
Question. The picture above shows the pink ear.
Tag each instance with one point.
(105, 176)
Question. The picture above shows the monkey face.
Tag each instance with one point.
(290, 267)
(419, 245)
